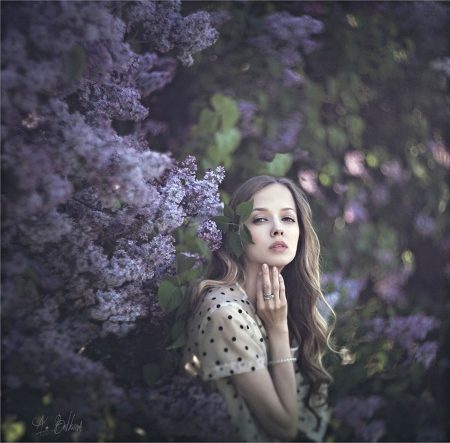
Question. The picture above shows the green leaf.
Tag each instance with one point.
(227, 108)
(245, 209)
(169, 296)
(337, 138)
(184, 263)
(235, 243)
(246, 235)
(178, 329)
(227, 141)
(179, 342)
(222, 222)
(356, 126)
(172, 279)
(228, 212)
(12, 431)
(183, 308)
(74, 60)
(186, 277)
(280, 165)
(151, 373)
(208, 121)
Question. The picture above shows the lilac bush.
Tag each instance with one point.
(358, 412)
(408, 332)
(89, 212)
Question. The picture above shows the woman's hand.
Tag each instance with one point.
(272, 395)
(272, 312)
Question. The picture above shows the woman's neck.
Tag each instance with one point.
(250, 288)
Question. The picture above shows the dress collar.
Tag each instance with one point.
(245, 294)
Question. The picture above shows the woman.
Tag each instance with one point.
(254, 328)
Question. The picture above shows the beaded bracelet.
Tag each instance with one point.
(283, 360)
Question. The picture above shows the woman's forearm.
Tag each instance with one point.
(283, 375)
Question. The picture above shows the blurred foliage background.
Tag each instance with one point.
(363, 127)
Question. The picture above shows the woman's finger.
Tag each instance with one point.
(259, 290)
(282, 288)
(275, 283)
(267, 286)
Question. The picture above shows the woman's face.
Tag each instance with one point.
(274, 228)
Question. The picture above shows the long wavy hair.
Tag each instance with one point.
(302, 281)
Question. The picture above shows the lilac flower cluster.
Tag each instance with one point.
(247, 111)
(354, 164)
(283, 35)
(355, 212)
(162, 24)
(341, 292)
(407, 332)
(185, 196)
(424, 225)
(209, 232)
(285, 38)
(442, 65)
(389, 286)
(357, 412)
(88, 213)
(440, 153)
(187, 408)
(308, 181)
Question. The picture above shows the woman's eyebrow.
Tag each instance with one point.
(266, 210)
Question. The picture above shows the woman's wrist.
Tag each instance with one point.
(278, 332)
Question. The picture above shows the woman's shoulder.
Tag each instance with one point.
(227, 297)
(228, 294)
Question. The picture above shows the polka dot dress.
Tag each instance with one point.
(226, 337)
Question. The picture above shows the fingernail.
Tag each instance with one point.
(274, 270)
(280, 276)
(265, 267)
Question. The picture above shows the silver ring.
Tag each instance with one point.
(268, 296)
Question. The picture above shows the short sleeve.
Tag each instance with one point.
(230, 343)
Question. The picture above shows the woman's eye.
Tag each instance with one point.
(259, 220)
(289, 219)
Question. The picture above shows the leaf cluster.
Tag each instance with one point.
(232, 224)
(173, 294)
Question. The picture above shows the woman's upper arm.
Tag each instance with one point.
(259, 392)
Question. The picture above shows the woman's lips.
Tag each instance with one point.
(278, 246)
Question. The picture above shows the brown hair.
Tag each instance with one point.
(302, 281)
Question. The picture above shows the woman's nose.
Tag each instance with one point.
(277, 230)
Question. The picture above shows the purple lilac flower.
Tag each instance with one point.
(283, 35)
(355, 212)
(247, 111)
(424, 225)
(393, 170)
(186, 407)
(407, 332)
(81, 225)
(440, 153)
(354, 163)
(425, 353)
(162, 24)
(285, 138)
(390, 286)
(357, 412)
(208, 232)
(442, 65)
(344, 292)
(380, 195)
(291, 78)
(308, 181)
